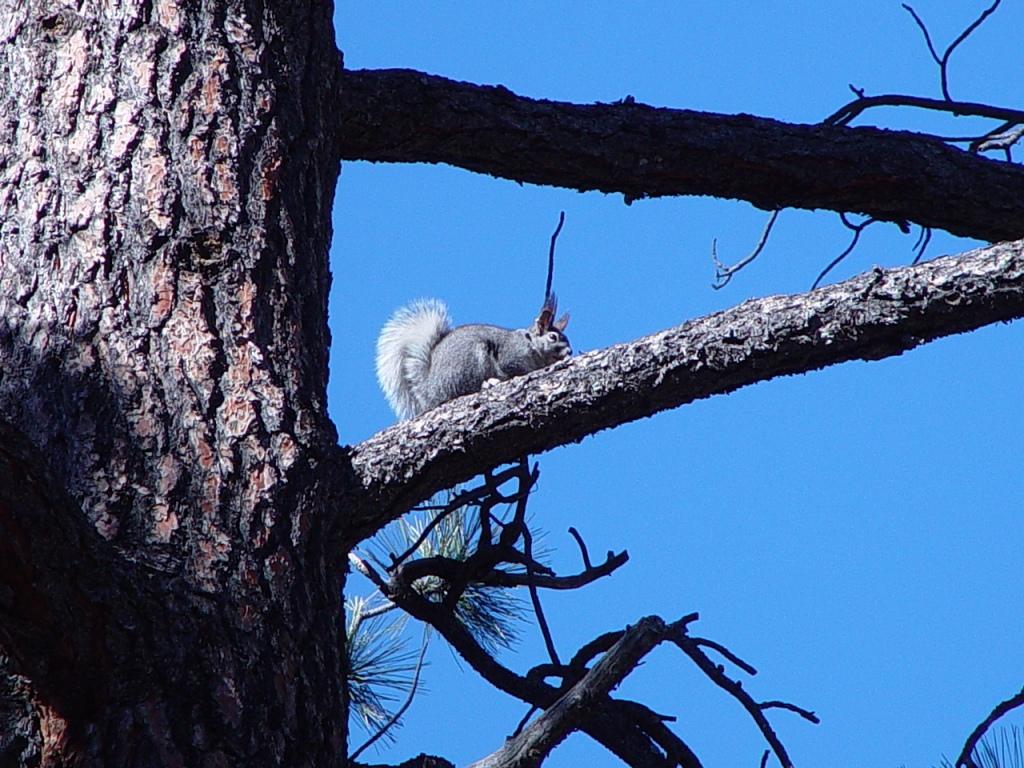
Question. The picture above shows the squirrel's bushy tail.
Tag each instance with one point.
(403, 352)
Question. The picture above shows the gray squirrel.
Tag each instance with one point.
(422, 361)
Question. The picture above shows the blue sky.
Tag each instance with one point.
(854, 533)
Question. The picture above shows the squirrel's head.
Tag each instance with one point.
(548, 334)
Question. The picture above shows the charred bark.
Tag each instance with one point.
(641, 151)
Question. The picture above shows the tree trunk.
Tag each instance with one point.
(166, 188)
(174, 508)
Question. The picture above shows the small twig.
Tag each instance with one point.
(845, 114)
(965, 758)
(943, 62)
(704, 642)
(856, 229)
(723, 273)
(465, 498)
(922, 243)
(534, 595)
(1003, 137)
(583, 547)
(380, 610)
(551, 254)
(924, 30)
(806, 714)
(408, 700)
(524, 721)
(501, 578)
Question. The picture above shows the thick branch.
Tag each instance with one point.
(641, 151)
(875, 315)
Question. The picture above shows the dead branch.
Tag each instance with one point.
(966, 758)
(723, 272)
(530, 747)
(716, 674)
(848, 112)
(943, 61)
(581, 699)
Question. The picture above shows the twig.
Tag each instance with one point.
(965, 758)
(380, 610)
(923, 239)
(848, 112)
(691, 648)
(857, 229)
(943, 62)
(530, 578)
(463, 499)
(806, 714)
(408, 700)
(583, 547)
(1003, 137)
(551, 254)
(498, 578)
(723, 274)
(704, 642)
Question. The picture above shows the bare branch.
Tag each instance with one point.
(641, 151)
(1001, 138)
(966, 758)
(845, 114)
(612, 563)
(723, 273)
(806, 714)
(530, 747)
(856, 229)
(943, 61)
(875, 315)
(551, 254)
(691, 648)
(703, 642)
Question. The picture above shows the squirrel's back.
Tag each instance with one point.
(404, 349)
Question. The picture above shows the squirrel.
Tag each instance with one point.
(422, 361)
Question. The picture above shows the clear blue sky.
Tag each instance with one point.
(855, 533)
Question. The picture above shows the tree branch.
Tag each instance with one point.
(641, 151)
(875, 315)
(966, 757)
(530, 747)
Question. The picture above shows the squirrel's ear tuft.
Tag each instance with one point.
(560, 324)
(547, 312)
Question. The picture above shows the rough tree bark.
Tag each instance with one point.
(638, 150)
(166, 191)
(174, 509)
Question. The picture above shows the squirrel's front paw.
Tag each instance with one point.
(488, 383)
